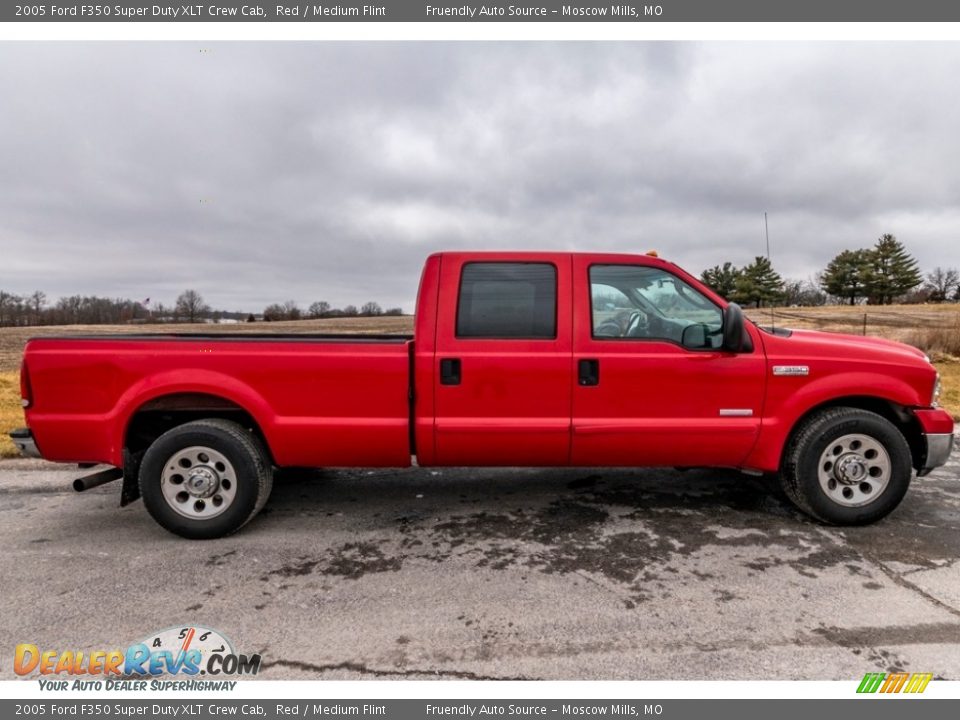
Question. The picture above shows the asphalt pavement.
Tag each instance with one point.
(501, 573)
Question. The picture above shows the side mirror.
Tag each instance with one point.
(694, 336)
(733, 330)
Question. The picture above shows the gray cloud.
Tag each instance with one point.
(258, 172)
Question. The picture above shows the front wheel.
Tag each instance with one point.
(846, 466)
(205, 479)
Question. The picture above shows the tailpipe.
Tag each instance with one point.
(97, 479)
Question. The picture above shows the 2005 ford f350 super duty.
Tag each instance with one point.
(518, 359)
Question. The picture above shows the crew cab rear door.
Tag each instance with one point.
(645, 394)
(503, 377)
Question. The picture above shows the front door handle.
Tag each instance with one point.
(589, 372)
(450, 371)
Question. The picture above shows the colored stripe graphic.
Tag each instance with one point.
(918, 682)
(870, 682)
(895, 682)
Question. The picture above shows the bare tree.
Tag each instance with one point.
(350, 311)
(319, 309)
(6, 305)
(274, 312)
(371, 309)
(190, 306)
(37, 302)
(291, 311)
(942, 282)
(803, 292)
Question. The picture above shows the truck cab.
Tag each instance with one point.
(547, 359)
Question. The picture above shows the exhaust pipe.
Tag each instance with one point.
(97, 479)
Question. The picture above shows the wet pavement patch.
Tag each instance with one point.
(351, 561)
(642, 531)
(925, 634)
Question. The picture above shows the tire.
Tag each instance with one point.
(846, 466)
(205, 479)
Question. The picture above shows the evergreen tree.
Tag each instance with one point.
(846, 275)
(722, 280)
(891, 272)
(758, 283)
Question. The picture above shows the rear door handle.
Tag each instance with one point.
(450, 371)
(589, 372)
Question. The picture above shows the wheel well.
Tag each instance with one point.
(894, 412)
(157, 416)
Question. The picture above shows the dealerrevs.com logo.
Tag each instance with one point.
(187, 651)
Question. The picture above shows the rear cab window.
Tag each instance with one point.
(507, 300)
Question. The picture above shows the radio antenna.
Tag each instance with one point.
(766, 229)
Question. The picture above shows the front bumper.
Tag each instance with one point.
(938, 449)
(23, 439)
(936, 438)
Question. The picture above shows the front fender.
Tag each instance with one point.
(791, 398)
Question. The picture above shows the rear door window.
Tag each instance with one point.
(508, 300)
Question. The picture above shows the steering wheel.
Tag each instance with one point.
(608, 329)
(638, 324)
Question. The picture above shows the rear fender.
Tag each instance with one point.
(177, 382)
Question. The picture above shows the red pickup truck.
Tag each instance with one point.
(518, 359)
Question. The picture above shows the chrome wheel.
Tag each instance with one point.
(854, 470)
(198, 482)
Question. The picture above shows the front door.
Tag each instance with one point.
(653, 386)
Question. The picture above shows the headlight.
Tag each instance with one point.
(935, 398)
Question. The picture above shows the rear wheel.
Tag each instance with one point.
(846, 466)
(205, 479)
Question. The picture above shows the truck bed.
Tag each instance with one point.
(319, 400)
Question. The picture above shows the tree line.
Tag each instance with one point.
(322, 309)
(190, 307)
(880, 275)
(22, 310)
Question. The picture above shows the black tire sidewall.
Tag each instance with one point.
(244, 464)
(901, 469)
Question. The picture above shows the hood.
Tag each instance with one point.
(841, 344)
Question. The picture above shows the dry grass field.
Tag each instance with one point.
(934, 328)
(907, 323)
(11, 415)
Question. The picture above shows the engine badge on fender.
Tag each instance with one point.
(791, 369)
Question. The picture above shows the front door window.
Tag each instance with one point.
(646, 303)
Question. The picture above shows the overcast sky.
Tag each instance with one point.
(261, 172)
